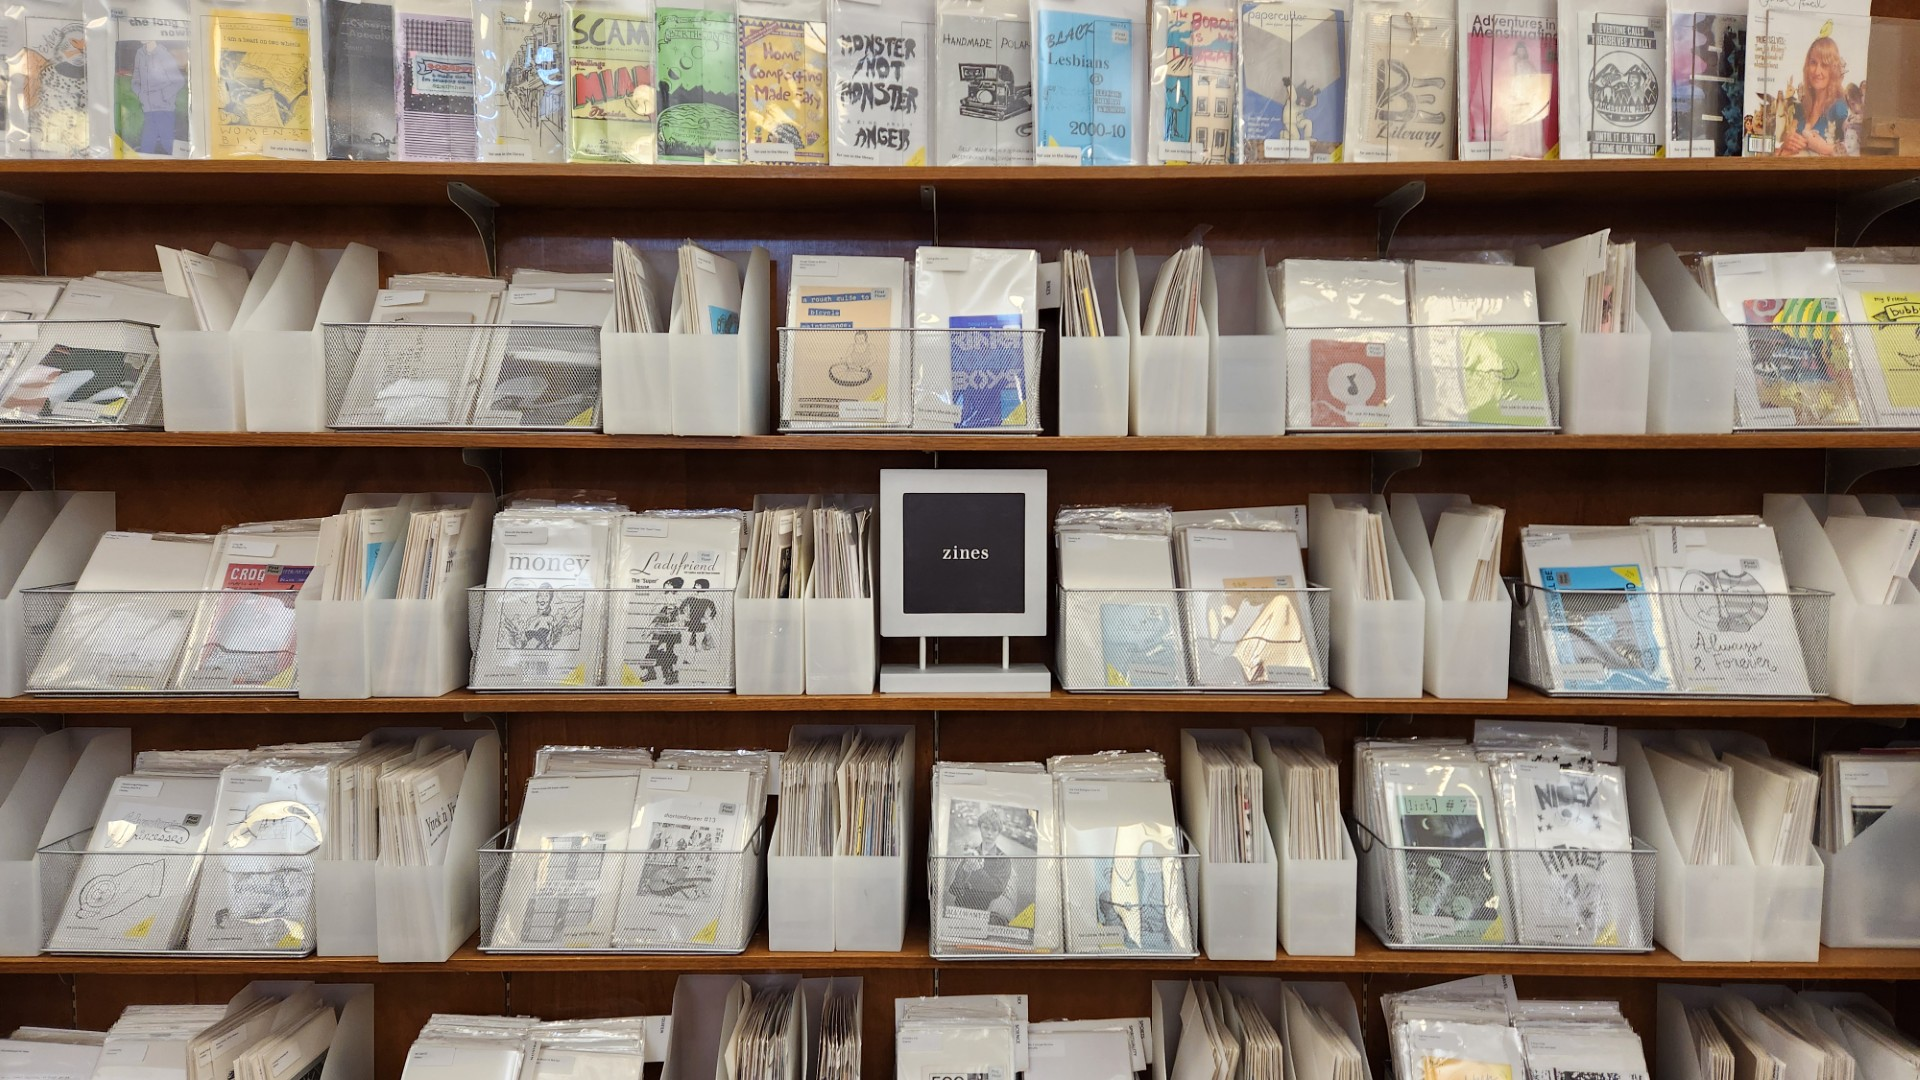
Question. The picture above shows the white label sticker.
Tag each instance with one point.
(530, 296)
(922, 1041)
(938, 413)
(1086, 792)
(1368, 415)
(251, 549)
(668, 781)
(528, 535)
(402, 297)
(1049, 285)
(433, 1057)
(650, 528)
(1289, 149)
(1056, 155)
(703, 261)
(139, 787)
(778, 153)
(863, 410)
(946, 260)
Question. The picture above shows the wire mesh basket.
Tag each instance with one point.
(1796, 366)
(1523, 899)
(1720, 637)
(982, 381)
(1002, 906)
(230, 641)
(521, 377)
(185, 903)
(101, 373)
(1269, 640)
(601, 639)
(1467, 377)
(578, 896)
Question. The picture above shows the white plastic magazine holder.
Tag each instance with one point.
(350, 1055)
(1247, 348)
(1239, 902)
(1378, 645)
(283, 376)
(1869, 646)
(704, 1017)
(848, 903)
(1694, 350)
(1466, 641)
(682, 383)
(57, 795)
(46, 539)
(1604, 378)
(842, 633)
(1096, 372)
(769, 634)
(1319, 898)
(1872, 881)
(1169, 384)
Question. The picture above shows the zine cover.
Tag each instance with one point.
(247, 641)
(540, 383)
(1083, 88)
(610, 111)
(1602, 628)
(1806, 85)
(690, 844)
(1293, 81)
(524, 118)
(878, 62)
(152, 73)
(988, 890)
(434, 97)
(1733, 629)
(987, 64)
(1348, 383)
(1403, 83)
(1571, 868)
(676, 636)
(1802, 373)
(361, 123)
(76, 384)
(989, 371)
(857, 384)
(1193, 111)
(1709, 52)
(1616, 84)
(1140, 645)
(260, 94)
(1503, 378)
(783, 91)
(1451, 898)
(1511, 81)
(698, 86)
(47, 100)
(1895, 340)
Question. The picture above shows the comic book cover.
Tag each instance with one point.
(435, 93)
(47, 90)
(783, 91)
(523, 118)
(1293, 81)
(1806, 86)
(261, 95)
(1708, 73)
(152, 74)
(699, 86)
(1512, 61)
(358, 40)
(610, 113)
(1801, 370)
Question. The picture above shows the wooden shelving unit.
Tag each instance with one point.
(108, 215)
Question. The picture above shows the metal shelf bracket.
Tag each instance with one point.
(481, 211)
(1857, 213)
(930, 202)
(1845, 468)
(33, 466)
(28, 220)
(1388, 464)
(491, 463)
(1395, 207)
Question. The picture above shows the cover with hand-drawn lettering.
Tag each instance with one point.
(610, 102)
(699, 86)
(985, 63)
(877, 59)
(1083, 86)
(783, 91)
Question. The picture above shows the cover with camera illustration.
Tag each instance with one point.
(985, 66)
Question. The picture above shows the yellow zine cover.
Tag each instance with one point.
(783, 91)
(1897, 346)
(261, 103)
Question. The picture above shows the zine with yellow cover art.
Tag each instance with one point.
(783, 91)
(611, 111)
(1896, 347)
(261, 100)
(848, 375)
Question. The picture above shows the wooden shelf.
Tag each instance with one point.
(1370, 958)
(1520, 701)
(692, 188)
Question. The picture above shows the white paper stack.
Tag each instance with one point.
(134, 886)
(1250, 621)
(562, 886)
(1118, 612)
(130, 635)
(1697, 791)
(706, 295)
(1125, 887)
(1777, 803)
(961, 1035)
(686, 883)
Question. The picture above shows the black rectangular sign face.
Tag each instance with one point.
(963, 553)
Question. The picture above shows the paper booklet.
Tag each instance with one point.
(241, 640)
(1806, 76)
(1466, 552)
(610, 63)
(1886, 298)
(129, 637)
(545, 378)
(687, 877)
(991, 892)
(47, 91)
(134, 885)
(1442, 898)
(706, 294)
(435, 93)
(1547, 813)
(362, 124)
(1606, 635)
(1509, 84)
(1696, 791)
(1611, 86)
(1799, 371)
(154, 44)
(521, 108)
(1859, 789)
(1707, 51)
(563, 885)
(663, 629)
(859, 375)
(882, 87)
(545, 623)
(977, 378)
(1089, 63)
(256, 885)
(698, 74)
(1194, 82)
(1250, 637)
(783, 84)
(984, 57)
(1124, 617)
(269, 104)
(1126, 889)
(87, 373)
(1292, 81)
(1491, 369)
(1726, 604)
(1341, 373)
(422, 375)
(1401, 98)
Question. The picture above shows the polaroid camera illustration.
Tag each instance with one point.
(992, 94)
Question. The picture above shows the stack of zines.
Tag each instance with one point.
(359, 559)
(268, 1032)
(1225, 1036)
(839, 794)
(452, 1047)
(961, 1035)
(1477, 1027)
(1861, 787)
(1308, 782)
(1773, 1033)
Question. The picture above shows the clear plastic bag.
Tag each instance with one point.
(143, 87)
(1292, 81)
(434, 41)
(985, 59)
(357, 46)
(610, 90)
(1089, 68)
(783, 82)
(1400, 85)
(48, 113)
(698, 79)
(878, 58)
(259, 90)
(1193, 84)
(519, 96)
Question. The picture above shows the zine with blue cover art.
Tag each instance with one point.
(1602, 628)
(989, 371)
(1084, 85)
(1140, 644)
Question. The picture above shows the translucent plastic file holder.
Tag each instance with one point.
(1466, 641)
(269, 894)
(981, 382)
(1160, 640)
(216, 642)
(283, 379)
(422, 376)
(1812, 375)
(1247, 382)
(1871, 883)
(1074, 905)
(1868, 650)
(200, 380)
(770, 646)
(1602, 901)
(1428, 377)
(714, 897)
(1691, 366)
(1170, 375)
(601, 639)
(1318, 898)
(108, 373)
(1239, 900)
(1620, 642)
(60, 790)
(1379, 645)
(848, 903)
(1095, 379)
(686, 383)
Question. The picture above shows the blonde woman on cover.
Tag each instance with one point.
(1820, 120)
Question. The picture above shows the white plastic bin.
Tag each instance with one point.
(1239, 902)
(46, 538)
(1248, 386)
(1693, 349)
(1379, 647)
(1869, 646)
(284, 379)
(59, 793)
(848, 903)
(1318, 898)
(1466, 642)
(841, 644)
(769, 646)
(1095, 385)
(200, 380)
(1169, 374)
(636, 384)
(1872, 883)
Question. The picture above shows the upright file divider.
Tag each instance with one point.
(283, 370)
(1336, 1000)
(46, 538)
(770, 635)
(1604, 378)
(1378, 645)
(200, 381)
(703, 1015)
(1869, 646)
(1239, 902)
(1694, 350)
(841, 632)
(1319, 898)
(1095, 372)
(686, 383)
(1871, 883)
(1247, 347)
(59, 793)
(389, 647)
(1169, 384)
(1466, 641)
(845, 903)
